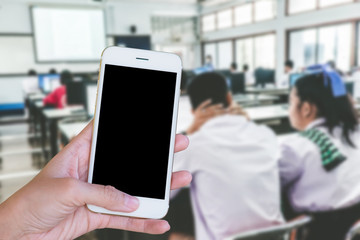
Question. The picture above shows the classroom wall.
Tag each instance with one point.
(16, 38)
(282, 23)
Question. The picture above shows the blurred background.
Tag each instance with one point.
(268, 42)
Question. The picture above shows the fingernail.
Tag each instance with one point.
(132, 203)
(166, 226)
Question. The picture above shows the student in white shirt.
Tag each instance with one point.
(235, 183)
(320, 166)
(288, 70)
(249, 75)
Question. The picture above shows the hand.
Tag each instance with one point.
(203, 113)
(52, 205)
(236, 109)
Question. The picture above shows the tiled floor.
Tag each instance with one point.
(20, 161)
(18, 158)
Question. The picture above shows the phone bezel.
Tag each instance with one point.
(145, 59)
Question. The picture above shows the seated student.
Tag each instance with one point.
(57, 98)
(320, 166)
(30, 83)
(249, 75)
(288, 70)
(235, 184)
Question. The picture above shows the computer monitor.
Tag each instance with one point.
(264, 76)
(202, 69)
(90, 97)
(224, 72)
(237, 83)
(49, 82)
(294, 77)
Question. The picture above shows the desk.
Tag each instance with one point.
(49, 121)
(267, 113)
(70, 130)
(254, 99)
(269, 91)
(282, 93)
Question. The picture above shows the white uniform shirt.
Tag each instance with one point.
(236, 185)
(312, 188)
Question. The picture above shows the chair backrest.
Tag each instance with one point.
(353, 231)
(273, 232)
(237, 83)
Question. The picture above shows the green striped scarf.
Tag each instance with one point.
(330, 155)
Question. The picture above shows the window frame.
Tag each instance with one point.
(354, 41)
(233, 23)
(234, 50)
(317, 7)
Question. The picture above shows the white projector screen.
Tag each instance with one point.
(68, 34)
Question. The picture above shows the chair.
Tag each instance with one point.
(353, 232)
(273, 232)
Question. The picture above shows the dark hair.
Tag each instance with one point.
(289, 63)
(66, 77)
(245, 67)
(206, 86)
(233, 65)
(32, 72)
(337, 111)
(52, 71)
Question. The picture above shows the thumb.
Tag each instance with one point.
(106, 197)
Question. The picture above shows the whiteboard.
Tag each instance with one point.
(68, 34)
(17, 57)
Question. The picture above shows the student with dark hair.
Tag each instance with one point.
(320, 166)
(32, 72)
(30, 84)
(288, 70)
(233, 161)
(57, 98)
(52, 71)
(249, 75)
(233, 67)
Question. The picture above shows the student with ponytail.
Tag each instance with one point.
(320, 165)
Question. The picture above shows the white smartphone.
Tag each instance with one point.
(134, 127)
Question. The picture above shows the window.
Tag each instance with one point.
(246, 13)
(210, 49)
(327, 3)
(245, 52)
(335, 44)
(224, 19)
(225, 53)
(322, 44)
(358, 44)
(303, 48)
(298, 6)
(265, 51)
(243, 14)
(258, 51)
(264, 10)
(208, 23)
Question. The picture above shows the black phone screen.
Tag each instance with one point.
(134, 130)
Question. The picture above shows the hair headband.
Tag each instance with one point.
(330, 75)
